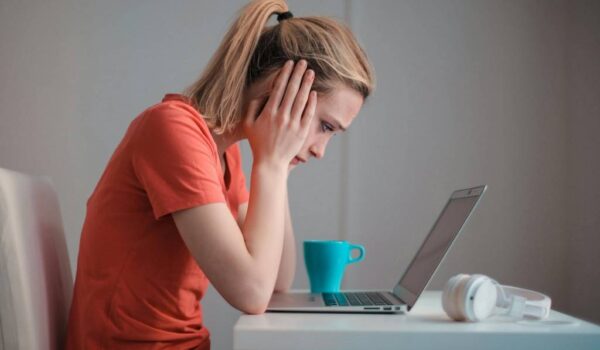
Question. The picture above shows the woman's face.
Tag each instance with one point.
(334, 113)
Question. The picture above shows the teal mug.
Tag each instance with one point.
(326, 262)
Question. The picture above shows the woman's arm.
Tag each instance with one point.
(243, 265)
(287, 267)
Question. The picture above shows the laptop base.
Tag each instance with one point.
(305, 302)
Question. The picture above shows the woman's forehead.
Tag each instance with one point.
(341, 103)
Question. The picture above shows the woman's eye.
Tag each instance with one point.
(326, 127)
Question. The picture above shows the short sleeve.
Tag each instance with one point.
(174, 160)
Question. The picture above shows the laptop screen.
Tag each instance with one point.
(436, 244)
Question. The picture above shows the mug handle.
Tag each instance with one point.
(360, 257)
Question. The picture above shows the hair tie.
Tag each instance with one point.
(283, 16)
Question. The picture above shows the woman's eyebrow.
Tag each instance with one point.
(337, 123)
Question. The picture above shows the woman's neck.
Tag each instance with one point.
(226, 139)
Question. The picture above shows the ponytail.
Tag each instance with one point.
(217, 95)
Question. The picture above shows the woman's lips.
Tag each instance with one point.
(297, 160)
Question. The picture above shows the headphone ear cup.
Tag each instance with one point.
(463, 293)
(472, 294)
(449, 296)
(483, 300)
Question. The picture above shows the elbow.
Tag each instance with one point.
(254, 301)
(253, 306)
(254, 309)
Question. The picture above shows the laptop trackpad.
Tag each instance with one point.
(297, 299)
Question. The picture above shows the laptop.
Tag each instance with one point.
(412, 283)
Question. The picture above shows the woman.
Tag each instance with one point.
(171, 210)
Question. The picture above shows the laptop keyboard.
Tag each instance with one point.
(355, 299)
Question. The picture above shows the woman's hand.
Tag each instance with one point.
(277, 134)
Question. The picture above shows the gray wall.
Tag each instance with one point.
(469, 92)
(583, 201)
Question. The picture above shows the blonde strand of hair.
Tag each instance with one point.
(218, 93)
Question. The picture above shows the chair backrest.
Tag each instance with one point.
(35, 275)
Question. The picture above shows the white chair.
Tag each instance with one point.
(35, 275)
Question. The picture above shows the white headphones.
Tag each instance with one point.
(476, 297)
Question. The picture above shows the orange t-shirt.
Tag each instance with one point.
(137, 285)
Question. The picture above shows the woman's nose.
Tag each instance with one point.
(318, 150)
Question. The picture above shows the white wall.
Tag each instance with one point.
(469, 92)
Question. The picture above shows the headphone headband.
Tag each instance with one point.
(525, 302)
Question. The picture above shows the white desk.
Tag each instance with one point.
(426, 326)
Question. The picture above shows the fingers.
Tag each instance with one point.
(293, 86)
(302, 96)
(291, 98)
(279, 88)
(309, 111)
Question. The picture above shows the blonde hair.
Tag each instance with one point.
(250, 50)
